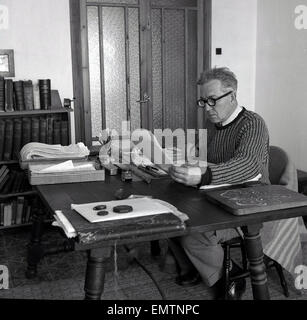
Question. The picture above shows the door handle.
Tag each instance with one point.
(145, 99)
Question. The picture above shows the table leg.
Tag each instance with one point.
(95, 273)
(35, 248)
(256, 265)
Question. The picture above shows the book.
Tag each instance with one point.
(55, 100)
(28, 214)
(45, 93)
(37, 105)
(17, 138)
(9, 95)
(26, 131)
(4, 171)
(57, 132)
(19, 95)
(7, 215)
(9, 183)
(8, 144)
(43, 130)
(20, 204)
(2, 138)
(34, 130)
(64, 133)
(2, 95)
(49, 130)
(14, 211)
(1, 214)
(3, 182)
(28, 95)
(26, 203)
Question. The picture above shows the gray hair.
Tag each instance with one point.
(227, 77)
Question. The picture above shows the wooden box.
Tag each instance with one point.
(65, 176)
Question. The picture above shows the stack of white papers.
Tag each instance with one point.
(62, 222)
(36, 150)
(65, 166)
(215, 186)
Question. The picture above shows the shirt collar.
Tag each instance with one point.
(232, 116)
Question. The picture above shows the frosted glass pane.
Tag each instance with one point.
(192, 70)
(174, 68)
(157, 69)
(113, 25)
(94, 69)
(116, 1)
(134, 67)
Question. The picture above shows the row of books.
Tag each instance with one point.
(12, 181)
(16, 212)
(15, 133)
(23, 95)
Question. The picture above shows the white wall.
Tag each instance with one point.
(234, 26)
(39, 33)
(281, 77)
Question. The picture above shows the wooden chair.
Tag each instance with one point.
(278, 160)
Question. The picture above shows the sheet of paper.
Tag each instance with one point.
(141, 207)
(62, 222)
(214, 186)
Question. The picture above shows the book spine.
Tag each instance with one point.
(19, 95)
(43, 130)
(28, 95)
(34, 130)
(2, 138)
(45, 93)
(64, 133)
(8, 144)
(17, 137)
(2, 214)
(9, 95)
(50, 130)
(20, 204)
(26, 131)
(57, 132)
(2, 94)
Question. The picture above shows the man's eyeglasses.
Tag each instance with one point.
(211, 101)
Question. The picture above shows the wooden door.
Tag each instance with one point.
(140, 63)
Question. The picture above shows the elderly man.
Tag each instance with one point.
(238, 148)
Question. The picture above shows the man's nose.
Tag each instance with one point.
(207, 107)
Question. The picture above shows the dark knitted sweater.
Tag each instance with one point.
(239, 150)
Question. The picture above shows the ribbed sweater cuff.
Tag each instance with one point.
(206, 178)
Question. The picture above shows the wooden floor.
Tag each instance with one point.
(61, 276)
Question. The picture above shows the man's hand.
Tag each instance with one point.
(190, 176)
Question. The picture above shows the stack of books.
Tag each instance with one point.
(23, 95)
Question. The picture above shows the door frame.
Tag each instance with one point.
(80, 63)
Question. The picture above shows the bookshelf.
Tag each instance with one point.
(18, 206)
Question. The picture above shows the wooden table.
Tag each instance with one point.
(204, 216)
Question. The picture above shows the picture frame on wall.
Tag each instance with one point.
(7, 66)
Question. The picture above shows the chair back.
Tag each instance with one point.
(278, 161)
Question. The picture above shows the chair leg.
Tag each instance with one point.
(282, 279)
(244, 257)
(226, 270)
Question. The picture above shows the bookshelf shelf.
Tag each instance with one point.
(16, 226)
(33, 112)
(20, 194)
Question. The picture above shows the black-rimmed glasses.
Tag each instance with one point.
(210, 101)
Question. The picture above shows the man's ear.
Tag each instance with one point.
(234, 97)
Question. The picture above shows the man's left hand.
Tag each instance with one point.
(190, 176)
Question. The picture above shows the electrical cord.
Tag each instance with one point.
(149, 273)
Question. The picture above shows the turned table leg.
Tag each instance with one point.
(35, 249)
(95, 273)
(256, 265)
